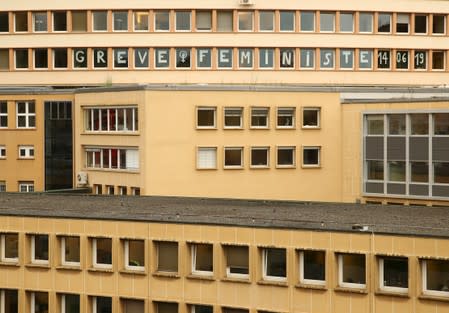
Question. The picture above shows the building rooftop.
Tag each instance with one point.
(379, 219)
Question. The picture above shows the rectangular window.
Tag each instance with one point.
(402, 23)
(274, 264)
(167, 256)
(237, 261)
(26, 186)
(327, 21)
(285, 157)
(441, 124)
(202, 259)
(375, 124)
(79, 21)
(110, 189)
(4, 59)
(311, 117)
(101, 305)
(120, 57)
(182, 20)
(135, 255)
(311, 156)
(26, 114)
(165, 307)
(266, 21)
(9, 245)
(206, 158)
(383, 59)
(346, 22)
(287, 21)
(312, 267)
(225, 21)
(100, 21)
(366, 22)
(135, 191)
(419, 172)
(183, 57)
(162, 21)
(225, 58)
(435, 277)
(260, 157)
(396, 124)
(9, 301)
(402, 59)
(70, 303)
(286, 58)
(420, 60)
(438, 58)
(111, 119)
(141, 21)
(351, 270)
(196, 308)
(60, 21)
(40, 21)
(420, 24)
(120, 21)
(245, 21)
(203, 20)
(307, 21)
(2, 152)
(266, 58)
(26, 152)
(439, 24)
(60, 58)
(39, 302)
(384, 23)
(233, 117)
(70, 250)
(396, 171)
(307, 58)
(102, 253)
(259, 117)
(21, 58)
(441, 172)
(245, 58)
(4, 22)
(39, 249)
(21, 21)
(233, 157)
(286, 117)
(133, 306)
(206, 117)
(40, 58)
(375, 170)
(393, 274)
(122, 190)
(2, 186)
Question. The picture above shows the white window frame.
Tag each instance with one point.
(89, 119)
(303, 280)
(265, 263)
(94, 255)
(381, 279)
(2, 152)
(63, 260)
(241, 165)
(318, 113)
(194, 255)
(317, 148)
(341, 283)
(267, 150)
(199, 166)
(291, 148)
(27, 114)
(33, 251)
(233, 114)
(3, 257)
(426, 291)
(292, 114)
(28, 186)
(29, 152)
(206, 108)
(267, 117)
(63, 301)
(94, 304)
(126, 251)
(33, 300)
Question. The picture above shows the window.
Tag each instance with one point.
(274, 266)
(2, 152)
(21, 58)
(140, 21)
(420, 59)
(114, 158)
(26, 114)
(351, 270)
(245, 21)
(287, 21)
(9, 245)
(101, 305)
(396, 124)
(396, 171)
(420, 24)
(260, 157)
(39, 302)
(98, 189)
(346, 22)
(166, 307)
(266, 21)
(438, 58)
(203, 20)
(286, 117)
(441, 123)
(133, 306)
(9, 301)
(112, 119)
(183, 20)
(59, 58)
(40, 58)
(162, 20)
(259, 117)
(206, 117)
(4, 22)
(225, 21)
(402, 23)
(237, 261)
(402, 59)
(383, 59)
(39, 249)
(311, 117)
(102, 253)
(21, 21)
(79, 21)
(122, 190)
(307, 21)
(120, 57)
(233, 157)
(419, 172)
(70, 250)
(233, 117)
(2, 186)
(135, 255)
(4, 59)
(26, 186)
(182, 57)
(375, 124)
(327, 58)
(225, 58)
(202, 259)
(234, 310)
(135, 191)
(393, 274)
(40, 21)
(285, 157)
(435, 277)
(167, 256)
(26, 152)
(266, 58)
(120, 20)
(100, 21)
(245, 58)
(196, 308)
(312, 267)
(384, 23)
(60, 21)
(311, 156)
(439, 24)
(366, 22)
(327, 21)
(70, 303)
(206, 158)
(441, 172)
(375, 170)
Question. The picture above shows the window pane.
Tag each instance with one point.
(384, 23)
(275, 262)
(402, 23)
(396, 124)
(375, 170)
(375, 124)
(310, 117)
(120, 21)
(353, 268)
(40, 21)
(204, 257)
(259, 117)
(72, 249)
(314, 265)
(59, 21)
(245, 21)
(206, 117)
(286, 156)
(203, 20)
(366, 22)
(421, 24)
(4, 22)
(237, 259)
(419, 124)
(133, 306)
(165, 307)
(327, 21)
(21, 21)
(41, 58)
(136, 251)
(266, 20)
(207, 158)
(224, 21)
(11, 301)
(167, 256)
(233, 117)
(438, 58)
(311, 156)
(162, 21)
(441, 172)
(437, 273)
(419, 172)
(11, 248)
(21, 58)
(79, 21)
(140, 21)
(441, 123)
(183, 21)
(104, 304)
(233, 157)
(259, 157)
(287, 20)
(4, 59)
(395, 272)
(100, 21)
(285, 117)
(307, 21)
(396, 171)
(40, 302)
(41, 247)
(439, 24)
(346, 22)
(60, 58)
(104, 251)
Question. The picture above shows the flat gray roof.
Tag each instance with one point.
(318, 216)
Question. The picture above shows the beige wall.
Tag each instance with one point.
(253, 294)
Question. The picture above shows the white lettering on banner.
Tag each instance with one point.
(203, 54)
(162, 56)
(224, 56)
(364, 57)
(346, 55)
(80, 57)
(121, 57)
(245, 55)
(143, 57)
(287, 58)
(100, 57)
(308, 63)
(327, 58)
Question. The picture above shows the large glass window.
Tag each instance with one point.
(351, 270)
(312, 267)
(107, 158)
(274, 266)
(202, 259)
(237, 261)
(167, 256)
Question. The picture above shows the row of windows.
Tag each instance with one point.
(117, 119)
(225, 58)
(206, 117)
(25, 114)
(112, 158)
(260, 156)
(23, 186)
(24, 152)
(223, 21)
(115, 190)
(312, 264)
